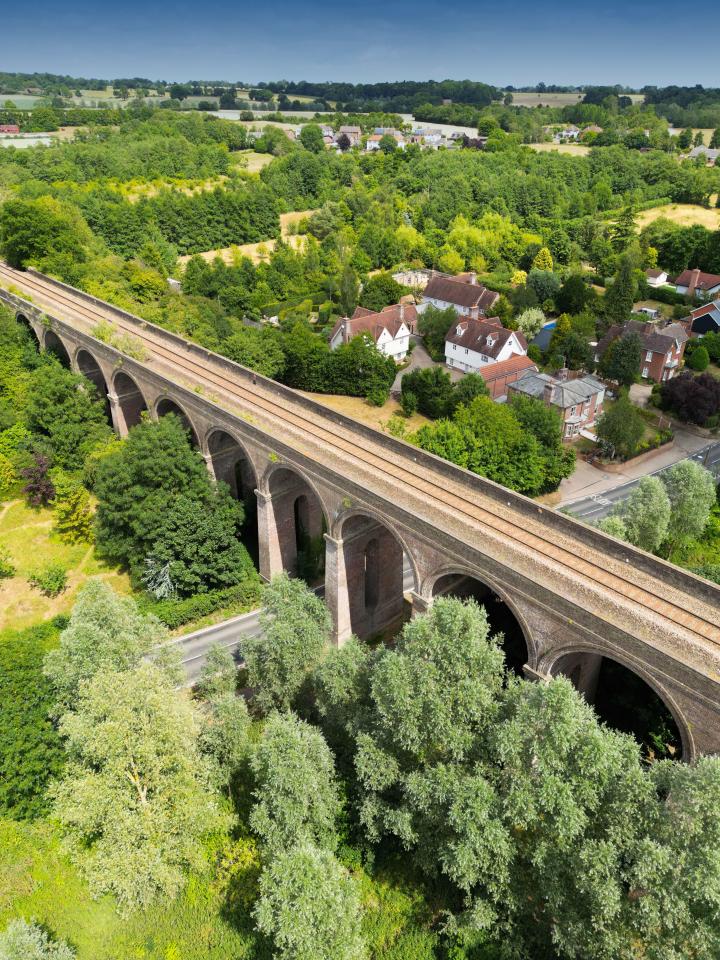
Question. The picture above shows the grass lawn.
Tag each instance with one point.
(210, 919)
(360, 409)
(685, 214)
(251, 161)
(579, 149)
(27, 535)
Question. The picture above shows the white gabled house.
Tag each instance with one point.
(471, 344)
(390, 329)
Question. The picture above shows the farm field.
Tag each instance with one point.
(685, 214)
(556, 99)
(26, 534)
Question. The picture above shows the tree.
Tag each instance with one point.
(343, 142)
(693, 399)
(21, 940)
(432, 699)
(380, 291)
(65, 408)
(349, 290)
(692, 494)
(530, 322)
(134, 801)
(157, 503)
(388, 143)
(465, 390)
(621, 360)
(614, 526)
(259, 349)
(73, 516)
(543, 283)
(433, 325)
(699, 359)
(311, 138)
(106, 632)
(39, 488)
(433, 390)
(623, 233)
(620, 296)
(296, 794)
(574, 295)
(219, 674)
(45, 229)
(358, 368)
(715, 139)
(620, 429)
(646, 514)
(295, 633)
(543, 260)
(309, 907)
(225, 737)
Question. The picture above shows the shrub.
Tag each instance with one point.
(28, 941)
(51, 581)
(7, 567)
(699, 359)
(377, 397)
(30, 749)
(7, 476)
(175, 613)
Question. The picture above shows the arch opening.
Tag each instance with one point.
(89, 367)
(501, 618)
(55, 347)
(378, 574)
(624, 701)
(166, 406)
(32, 340)
(232, 466)
(130, 398)
(301, 525)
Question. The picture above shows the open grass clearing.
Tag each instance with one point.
(684, 214)
(27, 535)
(251, 161)
(258, 252)
(359, 409)
(576, 149)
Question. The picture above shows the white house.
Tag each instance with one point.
(471, 344)
(464, 293)
(656, 278)
(698, 284)
(390, 329)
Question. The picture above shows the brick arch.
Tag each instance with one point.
(54, 344)
(130, 398)
(32, 325)
(264, 484)
(459, 569)
(345, 515)
(217, 452)
(165, 404)
(551, 662)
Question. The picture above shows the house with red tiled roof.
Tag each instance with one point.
(499, 376)
(464, 293)
(471, 343)
(390, 328)
(695, 283)
(9, 128)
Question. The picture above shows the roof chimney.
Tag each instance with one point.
(472, 277)
(694, 280)
(548, 392)
(562, 374)
(402, 311)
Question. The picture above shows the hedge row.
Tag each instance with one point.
(175, 613)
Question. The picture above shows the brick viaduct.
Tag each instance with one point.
(390, 512)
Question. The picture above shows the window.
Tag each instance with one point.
(645, 371)
(573, 411)
(648, 355)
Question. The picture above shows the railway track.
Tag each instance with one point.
(417, 478)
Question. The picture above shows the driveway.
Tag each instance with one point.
(419, 360)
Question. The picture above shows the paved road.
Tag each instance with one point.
(597, 506)
(230, 634)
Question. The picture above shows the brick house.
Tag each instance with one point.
(663, 348)
(463, 292)
(499, 376)
(9, 128)
(390, 329)
(353, 134)
(579, 401)
(471, 343)
(695, 283)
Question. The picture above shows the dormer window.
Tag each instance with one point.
(490, 340)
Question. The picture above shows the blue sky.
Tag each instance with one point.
(514, 42)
